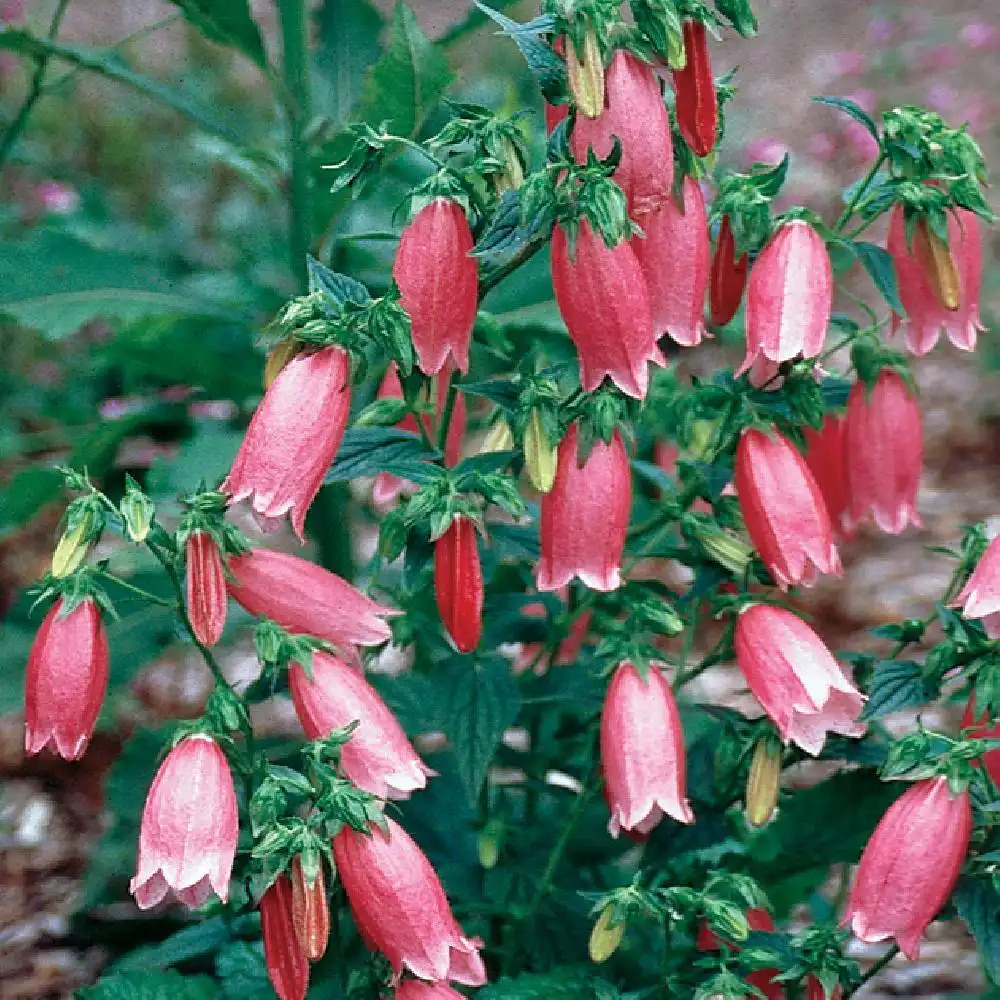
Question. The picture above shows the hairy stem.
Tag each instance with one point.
(859, 193)
(874, 970)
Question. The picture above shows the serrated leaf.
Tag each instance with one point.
(201, 938)
(242, 972)
(881, 269)
(347, 33)
(854, 110)
(169, 985)
(545, 66)
(978, 904)
(367, 451)
(337, 288)
(501, 391)
(227, 22)
(897, 684)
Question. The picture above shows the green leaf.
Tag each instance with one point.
(483, 701)
(877, 262)
(241, 969)
(201, 938)
(855, 111)
(366, 451)
(227, 22)
(150, 986)
(347, 33)
(558, 984)
(409, 80)
(338, 288)
(545, 66)
(978, 904)
(111, 65)
(897, 684)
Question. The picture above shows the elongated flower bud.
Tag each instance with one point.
(310, 911)
(66, 679)
(541, 456)
(826, 456)
(728, 277)
(137, 512)
(206, 588)
(783, 510)
(498, 438)
(75, 543)
(816, 991)
(789, 296)
(980, 597)
(585, 518)
(884, 444)
(398, 901)
(293, 437)
(604, 302)
(763, 782)
(458, 583)
(675, 259)
(585, 72)
(439, 284)
(606, 936)
(287, 965)
(938, 265)
(980, 727)
(694, 85)
(795, 677)
(910, 865)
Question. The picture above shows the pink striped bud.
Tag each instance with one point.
(438, 284)
(604, 302)
(910, 865)
(884, 441)
(190, 825)
(293, 437)
(642, 752)
(400, 908)
(728, 276)
(826, 456)
(981, 728)
(307, 599)
(675, 257)
(378, 757)
(784, 510)
(980, 597)
(458, 583)
(287, 965)
(634, 112)
(206, 588)
(66, 679)
(584, 518)
(789, 296)
(694, 85)
(795, 677)
(927, 316)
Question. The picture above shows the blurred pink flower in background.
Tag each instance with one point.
(940, 57)
(765, 150)
(850, 62)
(11, 10)
(880, 30)
(55, 197)
(978, 35)
(942, 98)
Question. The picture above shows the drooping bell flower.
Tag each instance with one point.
(417, 989)
(634, 112)
(293, 437)
(826, 456)
(602, 296)
(307, 599)
(758, 919)
(66, 679)
(884, 443)
(694, 85)
(190, 825)
(784, 510)
(795, 677)
(728, 277)
(439, 284)
(206, 588)
(400, 907)
(584, 518)
(642, 752)
(287, 964)
(927, 316)
(387, 487)
(378, 757)
(310, 911)
(789, 296)
(980, 728)
(675, 259)
(458, 583)
(980, 597)
(910, 865)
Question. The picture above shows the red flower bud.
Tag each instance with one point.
(728, 277)
(980, 597)
(458, 583)
(910, 865)
(815, 990)
(293, 437)
(674, 256)
(554, 114)
(758, 919)
(884, 441)
(604, 302)
(66, 679)
(438, 284)
(206, 588)
(784, 510)
(287, 965)
(387, 488)
(826, 456)
(980, 728)
(584, 518)
(310, 911)
(697, 105)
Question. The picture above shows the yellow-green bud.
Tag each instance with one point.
(540, 455)
(512, 176)
(702, 432)
(763, 782)
(498, 438)
(488, 844)
(74, 544)
(606, 936)
(586, 75)
(137, 511)
(726, 549)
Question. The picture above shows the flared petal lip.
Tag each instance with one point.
(37, 739)
(646, 814)
(152, 888)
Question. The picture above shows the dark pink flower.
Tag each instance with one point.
(458, 583)
(980, 597)
(910, 865)
(697, 107)
(66, 679)
(207, 599)
(287, 965)
(293, 437)
(826, 456)
(190, 825)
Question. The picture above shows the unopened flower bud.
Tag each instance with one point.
(606, 936)
(84, 524)
(512, 176)
(488, 844)
(938, 265)
(498, 438)
(278, 357)
(586, 74)
(540, 455)
(137, 511)
(763, 782)
(726, 549)
(310, 911)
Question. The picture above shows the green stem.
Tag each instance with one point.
(35, 88)
(490, 281)
(163, 602)
(859, 192)
(449, 409)
(874, 970)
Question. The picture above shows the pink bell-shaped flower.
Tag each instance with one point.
(926, 315)
(980, 728)
(783, 509)
(438, 284)
(66, 679)
(307, 599)
(206, 588)
(634, 112)
(795, 677)
(400, 907)
(826, 456)
(884, 444)
(458, 583)
(604, 302)
(293, 437)
(287, 964)
(789, 296)
(675, 257)
(980, 597)
(642, 752)
(584, 517)
(190, 825)
(910, 865)
(417, 989)
(378, 757)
